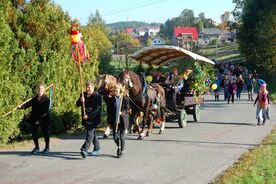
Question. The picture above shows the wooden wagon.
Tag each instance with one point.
(185, 104)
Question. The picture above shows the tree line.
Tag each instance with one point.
(256, 21)
(35, 48)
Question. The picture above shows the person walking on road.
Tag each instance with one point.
(39, 117)
(91, 118)
(231, 88)
(263, 104)
(224, 85)
(119, 118)
(239, 83)
(250, 86)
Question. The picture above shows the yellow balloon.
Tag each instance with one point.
(214, 86)
(149, 78)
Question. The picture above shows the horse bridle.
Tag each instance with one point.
(128, 81)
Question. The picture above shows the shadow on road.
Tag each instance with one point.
(54, 154)
(199, 142)
(226, 123)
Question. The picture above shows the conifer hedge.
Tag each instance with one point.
(35, 48)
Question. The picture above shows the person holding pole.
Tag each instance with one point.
(39, 117)
(91, 117)
(120, 118)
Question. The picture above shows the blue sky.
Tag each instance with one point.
(143, 10)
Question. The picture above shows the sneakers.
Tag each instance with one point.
(35, 150)
(95, 153)
(119, 152)
(46, 150)
(263, 122)
(83, 154)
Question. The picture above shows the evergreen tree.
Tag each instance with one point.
(257, 34)
(35, 48)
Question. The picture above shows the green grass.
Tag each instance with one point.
(227, 53)
(257, 166)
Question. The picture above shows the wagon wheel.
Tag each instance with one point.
(182, 119)
(196, 113)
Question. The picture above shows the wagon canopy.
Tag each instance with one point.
(158, 55)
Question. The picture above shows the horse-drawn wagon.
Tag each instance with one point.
(178, 105)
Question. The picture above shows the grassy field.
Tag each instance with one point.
(227, 53)
(257, 166)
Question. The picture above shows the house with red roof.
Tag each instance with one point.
(185, 37)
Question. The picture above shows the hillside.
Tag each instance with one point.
(130, 24)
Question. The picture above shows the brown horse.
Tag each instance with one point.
(105, 85)
(144, 98)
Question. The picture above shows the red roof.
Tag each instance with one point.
(129, 30)
(186, 30)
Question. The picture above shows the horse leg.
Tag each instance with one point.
(150, 125)
(107, 132)
(163, 119)
(142, 133)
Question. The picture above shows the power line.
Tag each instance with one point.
(135, 7)
(129, 6)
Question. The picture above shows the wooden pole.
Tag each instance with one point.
(24, 103)
(79, 58)
(82, 94)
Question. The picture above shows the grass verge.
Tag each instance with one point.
(257, 166)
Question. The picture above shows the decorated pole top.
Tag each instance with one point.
(75, 34)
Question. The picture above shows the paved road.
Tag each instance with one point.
(195, 154)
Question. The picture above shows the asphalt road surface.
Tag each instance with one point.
(195, 154)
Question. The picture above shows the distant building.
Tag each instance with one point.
(152, 30)
(207, 35)
(144, 34)
(185, 37)
(228, 36)
(158, 41)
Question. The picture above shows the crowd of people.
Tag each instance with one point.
(233, 79)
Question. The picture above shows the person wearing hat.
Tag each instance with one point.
(263, 104)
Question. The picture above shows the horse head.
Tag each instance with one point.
(125, 79)
(131, 82)
(105, 83)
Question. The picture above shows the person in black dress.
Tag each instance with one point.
(39, 117)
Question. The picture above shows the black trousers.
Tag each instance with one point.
(120, 135)
(91, 136)
(45, 131)
(231, 96)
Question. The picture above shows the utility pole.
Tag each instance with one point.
(126, 56)
(216, 48)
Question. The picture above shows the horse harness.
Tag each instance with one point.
(154, 101)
